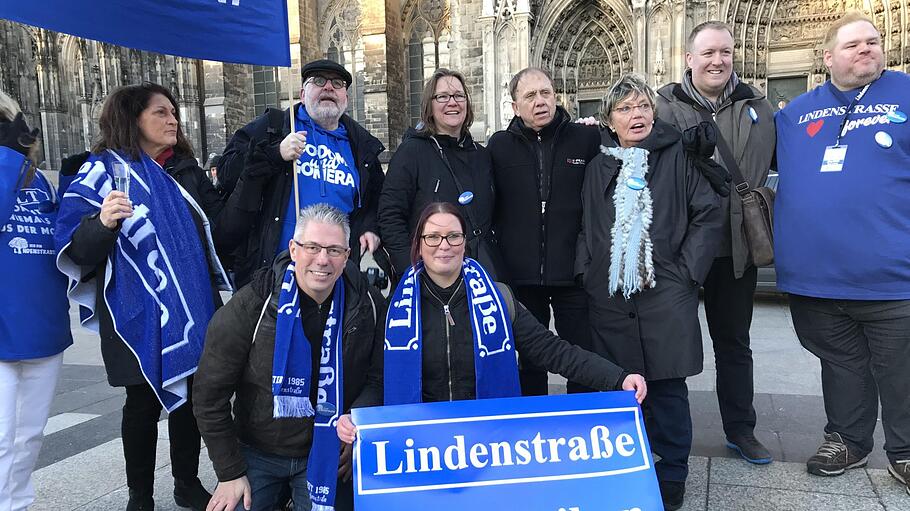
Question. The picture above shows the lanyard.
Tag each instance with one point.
(843, 122)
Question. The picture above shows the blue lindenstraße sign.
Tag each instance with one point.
(580, 452)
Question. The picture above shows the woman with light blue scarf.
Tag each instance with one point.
(452, 332)
(650, 226)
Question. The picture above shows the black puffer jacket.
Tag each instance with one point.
(532, 168)
(448, 351)
(418, 175)
(92, 242)
(239, 349)
(255, 208)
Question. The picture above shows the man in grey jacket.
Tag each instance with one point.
(745, 121)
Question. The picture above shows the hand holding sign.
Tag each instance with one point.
(637, 383)
(347, 432)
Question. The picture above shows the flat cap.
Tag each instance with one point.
(325, 65)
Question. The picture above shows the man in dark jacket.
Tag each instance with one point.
(239, 359)
(538, 169)
(337, 162)
(746, 122)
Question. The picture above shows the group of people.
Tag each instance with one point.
(615, 229)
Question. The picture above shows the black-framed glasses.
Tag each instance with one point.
(320, 81)
(459, 97)
(315, 248)
(454, 239)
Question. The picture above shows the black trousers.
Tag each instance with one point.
(139, 429)
(669, 426)
(570, 309)
(864, 348)
(728, 307)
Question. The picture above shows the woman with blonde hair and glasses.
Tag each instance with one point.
(440, 162)
(650, 227)
(34, 326)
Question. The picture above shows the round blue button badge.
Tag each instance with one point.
(883, 139)
(896, 116)
(465, 198)
(636, 183)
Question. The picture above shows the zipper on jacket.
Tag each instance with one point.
(449, 321)
(543, 206)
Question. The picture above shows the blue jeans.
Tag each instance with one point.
(269, 474)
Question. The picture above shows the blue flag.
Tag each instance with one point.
(241, 31)
(576, 452)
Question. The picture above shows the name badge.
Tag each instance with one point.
(833, 160)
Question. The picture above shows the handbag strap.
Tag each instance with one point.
(467, 207)
(741, 185)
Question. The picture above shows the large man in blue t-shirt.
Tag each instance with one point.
(842, 247)
(336, 163)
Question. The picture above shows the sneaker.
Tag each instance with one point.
(900, 470)
(749, 448)
(672, 493)
(191, 494)
(833, 457)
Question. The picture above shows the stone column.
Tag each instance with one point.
(639, 36)
(228, 101)
(484, 126)
(383, 70)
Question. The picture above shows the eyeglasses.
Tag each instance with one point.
(626, 110)
(459, 97)
(453, 238)
(333, 251)
(320, 81)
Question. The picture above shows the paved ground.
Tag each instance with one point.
(81, 467)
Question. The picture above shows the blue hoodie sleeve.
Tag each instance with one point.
(13, 167)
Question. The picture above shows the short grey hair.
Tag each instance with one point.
(629, 84)
(324, 214)
(513, 83)
(708, 25)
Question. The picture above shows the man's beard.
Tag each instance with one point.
(326, 113)
(856, 80)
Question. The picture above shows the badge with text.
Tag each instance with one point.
(833, 161)
(578, 452)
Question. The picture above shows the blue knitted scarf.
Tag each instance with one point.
(291, 383)
(496, 368)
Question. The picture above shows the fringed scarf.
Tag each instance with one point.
(711, 106)
(291, 383)
(631, 252)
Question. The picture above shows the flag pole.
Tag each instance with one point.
(296, 163)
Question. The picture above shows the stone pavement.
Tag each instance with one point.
(81, 462)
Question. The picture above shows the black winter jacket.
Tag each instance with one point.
(256, 206)
(92, 242)
(418, 175)
(538, 179)
(448, 351)
(656, 331)
(239, 349)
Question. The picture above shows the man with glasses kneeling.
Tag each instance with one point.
(294, 346)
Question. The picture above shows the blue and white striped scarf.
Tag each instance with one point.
(291, 383)
(156, 282)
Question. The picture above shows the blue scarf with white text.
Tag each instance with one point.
(291, 383)
(496, 368)
(156, 281)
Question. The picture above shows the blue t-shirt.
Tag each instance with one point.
(35, 321)
(845, 234)
(327, 173)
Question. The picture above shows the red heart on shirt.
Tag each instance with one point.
(814, 127)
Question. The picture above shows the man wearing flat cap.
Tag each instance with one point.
(337, 164)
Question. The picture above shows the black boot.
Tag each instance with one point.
(191, 494)
(140, 502)
(672, 493)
